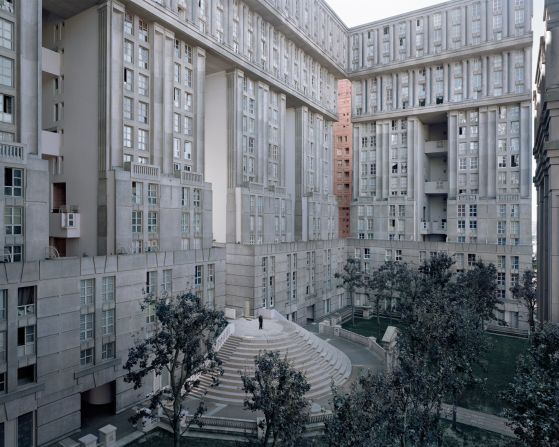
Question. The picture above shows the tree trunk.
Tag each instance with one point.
(352, 309)
(378, 318)
(454, 414)
(176, 423)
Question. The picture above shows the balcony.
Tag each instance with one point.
(433, 227)
(26, 349)
(65, 222)
(436, 147)
(141, 170)
(12, 153)
(440, 187)
(51, 143)
(51, 62)
(191, 177)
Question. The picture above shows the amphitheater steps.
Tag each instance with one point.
(321, 362)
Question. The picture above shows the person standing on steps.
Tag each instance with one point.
(260, 321)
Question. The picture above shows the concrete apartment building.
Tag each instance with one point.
(442, 136)
(160, 146)
(343, 166)
(546, 151)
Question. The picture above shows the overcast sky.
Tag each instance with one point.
(358, 12)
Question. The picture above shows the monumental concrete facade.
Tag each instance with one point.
(155, 147)
(163, 146)
(546, 151)
(442, 136)
(343, 166)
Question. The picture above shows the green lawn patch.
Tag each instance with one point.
(498, 370)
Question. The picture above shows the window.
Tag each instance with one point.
(198, 275)
(13, 220)
(143, 85)
(210, 276)
(142, 139)
(6, 108)
(184, 196)
(128, 52)
(26, 297)
(143, 115)
(501, 279)
(471, 259)
(86, 357)
(108, 350)
(473, 210)
(13, 182)
(187, 154)
(185, 223)
(514, 262)
(6, 34)
(86, 326)
(196, 198)
(151, 282)
(152, 222)
(3, 304)
(137, 193)
(6, 71)
(461, 211)
(127, 136)
(153, 190)
(136, 221)
(108, 322)
(167, 285)
(143, 58)
(87, 291)
(108, 289)
(13, 253)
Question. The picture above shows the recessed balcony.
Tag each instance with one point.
(436, 147)
(433, 227)
(51, 143)
(439, 187)
(65, 222)
(51, 62)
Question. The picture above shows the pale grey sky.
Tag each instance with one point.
(358, 12)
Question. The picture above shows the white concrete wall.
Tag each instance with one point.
(215, 150)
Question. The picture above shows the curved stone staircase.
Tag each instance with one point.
(321, 362)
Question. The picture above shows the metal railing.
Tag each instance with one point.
(25, 309)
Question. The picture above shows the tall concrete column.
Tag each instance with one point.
(428, 76)
(380, 156)
(506, 70)
(29, 120)
(385, 159)
(465, 19)
(482, 153)
(444, 18)
(465, 80)
(491, 153)
(525, 150)
(446, 82)
(452, 159)
(412, 144)
(528, 65)
(199, 65)
(484, 78)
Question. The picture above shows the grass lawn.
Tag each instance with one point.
(499, 369)
(160, 438)
(369, 328)
(468, 436)
(500, 364)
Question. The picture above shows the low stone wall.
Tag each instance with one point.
(338, 331)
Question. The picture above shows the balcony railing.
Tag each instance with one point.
(10, 152)
(25, 310)
(191, 177)
(27, 349)
(142, 170)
